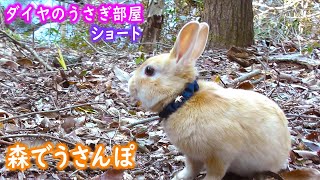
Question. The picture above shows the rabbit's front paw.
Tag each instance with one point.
(183, 175)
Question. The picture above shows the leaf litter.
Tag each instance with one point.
(26, 87)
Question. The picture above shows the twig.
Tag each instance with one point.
(265, 67)
(136, 123)
(143, 121)
(49, 111)
(155, 43)
(244, 77)
(28, 49)
(278, 82)
(98, 51)
(116, 131)
(293, 58)
(274, 8)
(37, 135)
(114, 50)
(306, 16)
(288, 77)
(5, 142)
(303, 116)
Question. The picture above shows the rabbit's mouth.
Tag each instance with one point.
(133, 96)
(134, 99)
(133, 92)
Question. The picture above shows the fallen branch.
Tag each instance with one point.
(48, 111)
(28, 49)
(5, 142)
(285, 6)
(278, 83)
(101, 51)
(37, 136)
(303, 116)
(288, 77)
(142, 121)
(292, 58)
(244, 77)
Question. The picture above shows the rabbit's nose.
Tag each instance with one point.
(133, 92)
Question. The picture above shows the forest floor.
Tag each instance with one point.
(110, 117)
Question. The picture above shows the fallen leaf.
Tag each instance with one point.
(10, 127)
(313, 136)
(121, 75)
(216, 78)
(51, 115)
(245, 85)
(114, 112)
(93, 142)
(311, 145)
(34, 142)
(114, 124)
(97, 70)
(110, 174)
(299, 174)
(86, 109)
(74, 136)
(308, 155)
(10, 64)
(43, 121)
(4, 115)
(25, 62)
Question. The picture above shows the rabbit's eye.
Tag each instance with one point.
(149, 71)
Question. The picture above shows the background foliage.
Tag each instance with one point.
(277, 20)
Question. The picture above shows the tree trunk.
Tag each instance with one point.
(152, 30)
(230, 21)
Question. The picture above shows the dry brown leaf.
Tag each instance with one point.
(310, 155)
(10, 64)
(68, 124)
(301, 174)
(25, 62)
(313, 136)
(110, 174)
(314, 146)
(51, 115)
(245, 85)
(97, 70)
(34, 142)
(4, 115)
(114, 124)
(10, 127)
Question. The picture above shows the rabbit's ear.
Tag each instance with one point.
(186, 40)
(201, 41)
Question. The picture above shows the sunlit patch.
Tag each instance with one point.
(138, 103)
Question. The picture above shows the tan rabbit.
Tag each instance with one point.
(223, 130)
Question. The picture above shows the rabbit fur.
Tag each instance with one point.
(221, 129)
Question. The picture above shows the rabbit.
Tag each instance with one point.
(221, 129)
